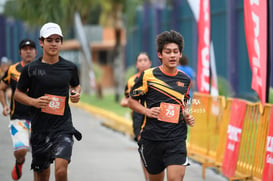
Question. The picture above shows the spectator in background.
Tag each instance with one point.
(20, 115)
(143, 63)
(184, 67)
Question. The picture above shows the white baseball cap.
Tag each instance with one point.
(49, 29)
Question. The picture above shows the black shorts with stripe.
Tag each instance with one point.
(157, 155)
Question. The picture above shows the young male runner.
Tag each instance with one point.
(49, 82)
(20, 115)
(166, 90)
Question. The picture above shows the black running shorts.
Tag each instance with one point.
(156, 156)
(45, 148)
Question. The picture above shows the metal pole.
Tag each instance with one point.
(269, 47)
(232, 45)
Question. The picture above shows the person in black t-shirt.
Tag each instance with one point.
(162, 141)
(20, 118)
(50, 81)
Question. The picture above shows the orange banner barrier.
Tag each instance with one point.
(223, 132)
(260, 147)
(205, 135)
(207, 139)
(234, 133)
(244, 164)
(200, 110)
(268, 158)
(216, 161)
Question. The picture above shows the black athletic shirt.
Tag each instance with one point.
(155, 87)
(11, 77)
(39, 79)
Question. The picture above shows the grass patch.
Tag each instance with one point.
(270, 95)
(107, 103)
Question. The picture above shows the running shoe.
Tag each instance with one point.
(17, 171)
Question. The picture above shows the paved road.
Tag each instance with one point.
(102, 155)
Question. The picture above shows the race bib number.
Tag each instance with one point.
(169, 112)
(56, 105)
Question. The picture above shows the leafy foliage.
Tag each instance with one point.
(130, 11)
(35, 12)
(104, 12)
(270, 95)
(224, 87)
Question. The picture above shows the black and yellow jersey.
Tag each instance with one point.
(137, 117)
(130, 83)
(155, 87)
(11, 77)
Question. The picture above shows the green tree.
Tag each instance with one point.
(108, 13)
(35, 12)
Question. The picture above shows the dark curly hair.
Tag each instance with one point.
(169, 37)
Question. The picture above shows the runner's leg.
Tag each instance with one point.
(61, 169)
(175, 172)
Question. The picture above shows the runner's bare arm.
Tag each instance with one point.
(23, 98)
(124, 102)
(189, 119)
(136, 106)
(3, 100)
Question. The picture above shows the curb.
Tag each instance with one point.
(111, 120)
